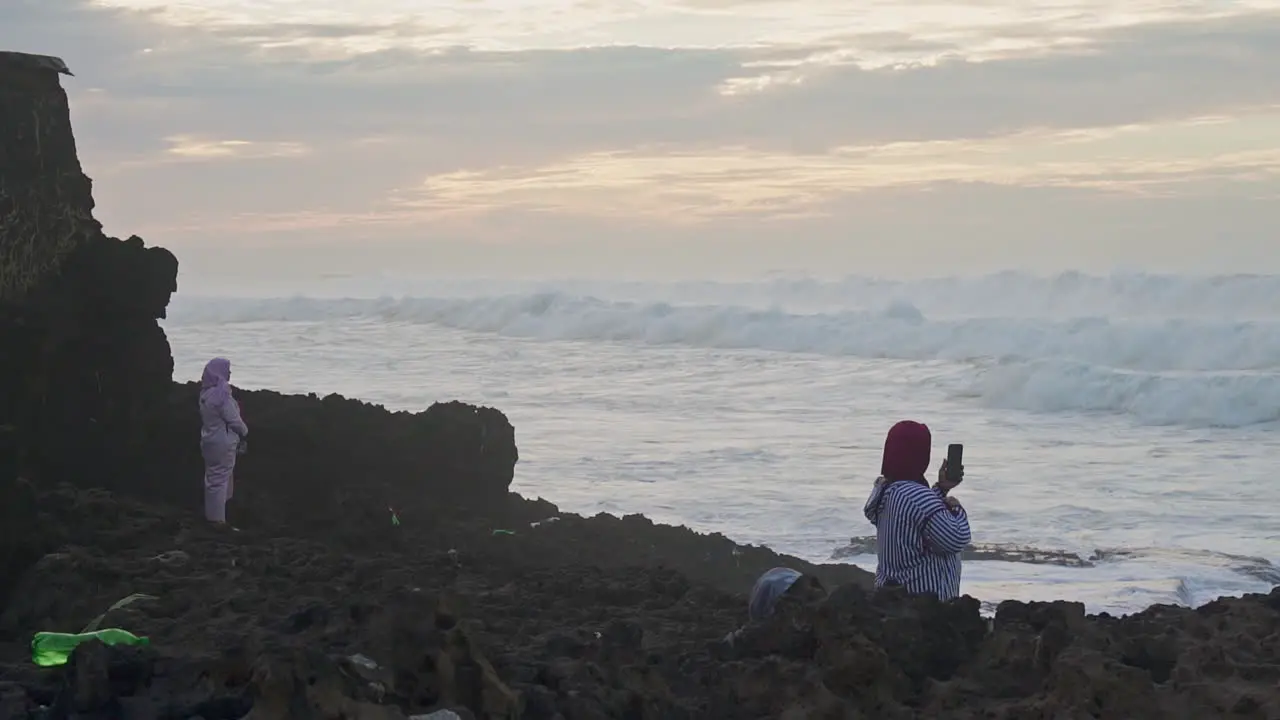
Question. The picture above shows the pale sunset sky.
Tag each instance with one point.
(677, 138)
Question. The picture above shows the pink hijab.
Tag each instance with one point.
(215, 383)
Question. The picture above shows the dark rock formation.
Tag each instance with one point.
(285, 628)
(333, 468)
(85, 365)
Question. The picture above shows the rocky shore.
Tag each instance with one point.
(476, 601)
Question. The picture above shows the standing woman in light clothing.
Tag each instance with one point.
(221, 433)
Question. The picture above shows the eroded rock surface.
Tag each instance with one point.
(292, 627)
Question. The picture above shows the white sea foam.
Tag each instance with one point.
(1161, 369)
(1066, 295)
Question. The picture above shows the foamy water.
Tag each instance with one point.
(1137, 413)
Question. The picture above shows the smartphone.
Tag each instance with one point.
(955, 463)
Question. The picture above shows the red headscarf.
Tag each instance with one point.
(906, 452)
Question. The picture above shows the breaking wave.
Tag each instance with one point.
(1206, 370)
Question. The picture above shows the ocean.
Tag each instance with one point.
(1131, 421)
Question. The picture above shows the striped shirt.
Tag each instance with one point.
(918, 538)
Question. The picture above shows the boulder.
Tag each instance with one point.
(334, 467)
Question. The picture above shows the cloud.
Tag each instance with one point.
(1132, 75)
(248, 80)
(312, 124)
(189, 148)
(741, 181)
(953, 228)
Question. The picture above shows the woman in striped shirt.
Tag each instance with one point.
(920, 531)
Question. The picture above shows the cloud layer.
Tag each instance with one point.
(930, 133)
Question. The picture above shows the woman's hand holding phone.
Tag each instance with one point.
(947, 483)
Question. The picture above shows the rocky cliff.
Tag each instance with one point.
(85, 364)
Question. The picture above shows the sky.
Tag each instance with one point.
(676, 138)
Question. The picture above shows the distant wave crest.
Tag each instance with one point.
(1067, 294)
(1163, 370)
